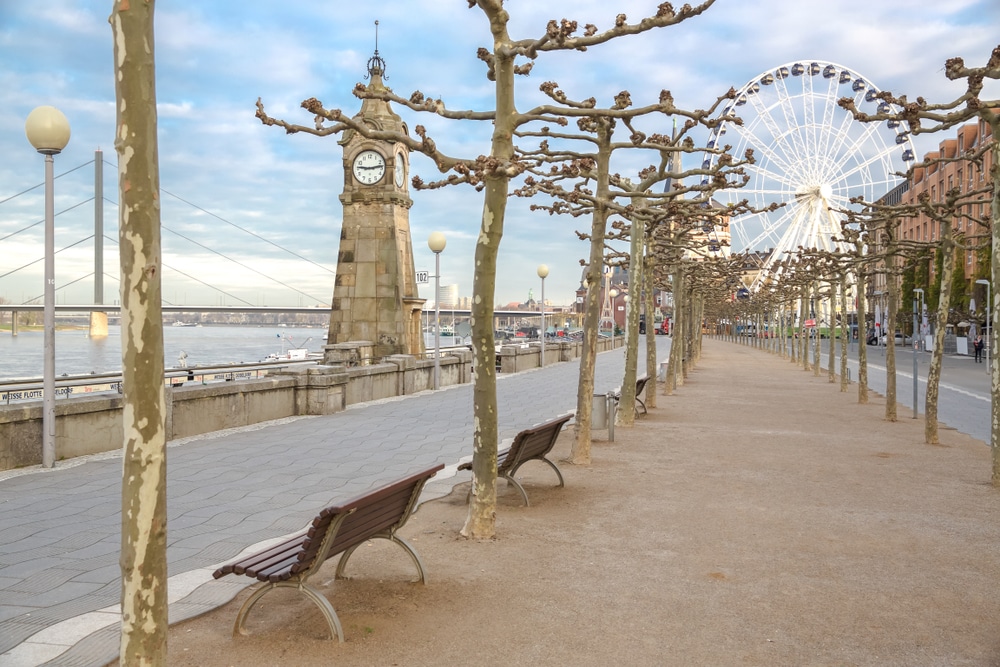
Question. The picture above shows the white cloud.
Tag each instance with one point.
(215, 59)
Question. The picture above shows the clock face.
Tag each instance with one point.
(400, 169)
(369, 167)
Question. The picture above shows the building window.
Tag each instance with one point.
(968, 260)
(959, 178)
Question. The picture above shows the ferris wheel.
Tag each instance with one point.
(811, 156)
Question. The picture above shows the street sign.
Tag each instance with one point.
(423, 277)
(809, 324)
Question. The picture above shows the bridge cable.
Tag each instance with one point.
(4, 201)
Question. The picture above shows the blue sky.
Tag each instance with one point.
(215, 59)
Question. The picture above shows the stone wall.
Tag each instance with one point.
(91, 423)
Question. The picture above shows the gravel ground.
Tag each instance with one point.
(759, 516)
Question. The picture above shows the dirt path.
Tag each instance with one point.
(757, 517)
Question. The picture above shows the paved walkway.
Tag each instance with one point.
(60, 529)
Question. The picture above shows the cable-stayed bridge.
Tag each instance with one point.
(209, 258)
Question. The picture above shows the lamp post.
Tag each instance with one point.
(989, 322)
(920, 292)
(543, 271)
(48, 131)
(436, 242)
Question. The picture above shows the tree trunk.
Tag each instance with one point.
(817, 362)
(947, 249)
(674, 378)
(890, 343)
(143, 556)
(803, 332)
(831, 371)
(648, 285)
(592, 309)
(862, 338)
(845, 332)
(994, 339)
(636, 274)
(481, 520)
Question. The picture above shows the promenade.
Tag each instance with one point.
(757, 517)
(60, 529)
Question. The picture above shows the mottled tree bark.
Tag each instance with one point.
(890, 342)
(947, 248)
(832, 352)
(817, 362)
(648, 286)
(481, 520)
(845, 332)
(592, 309)
(144, 483)
(862, 335)
(626, 407)
(994, 341)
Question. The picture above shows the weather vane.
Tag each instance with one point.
(376, 65)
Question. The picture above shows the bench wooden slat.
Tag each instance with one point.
(530, 444)
(337, 529)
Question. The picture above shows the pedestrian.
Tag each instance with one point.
(977, 345)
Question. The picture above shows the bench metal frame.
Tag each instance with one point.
(524, 449)
(288, 553)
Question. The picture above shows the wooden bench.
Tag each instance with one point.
(337, 529)
(640, 385)
(529, 445)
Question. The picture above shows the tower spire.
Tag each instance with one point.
(376, 64)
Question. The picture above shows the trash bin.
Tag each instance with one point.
(599, 412)
(602, 413)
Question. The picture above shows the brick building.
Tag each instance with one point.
(939, 179)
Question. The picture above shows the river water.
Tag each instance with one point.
(77, 353)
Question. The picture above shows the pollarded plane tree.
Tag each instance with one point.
(680, 241)
(143, 559)
(581, 184)
(492, 173)
(925, 117)
(683, 212)
(953, 210)
(885, 258)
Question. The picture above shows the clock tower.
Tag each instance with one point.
(375, 294)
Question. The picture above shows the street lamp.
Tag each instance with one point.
(436, 242)
(923, 346)
(48, 131)
(543, 271)
(989, 322)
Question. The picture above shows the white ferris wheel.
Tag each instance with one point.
(811, 155)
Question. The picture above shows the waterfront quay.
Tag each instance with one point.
(60, 528)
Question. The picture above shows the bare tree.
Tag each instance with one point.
(492, 174)
(144, 483)
(923, 117)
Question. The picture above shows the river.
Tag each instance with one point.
(77, 353)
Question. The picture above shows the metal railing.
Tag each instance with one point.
(76, 385)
